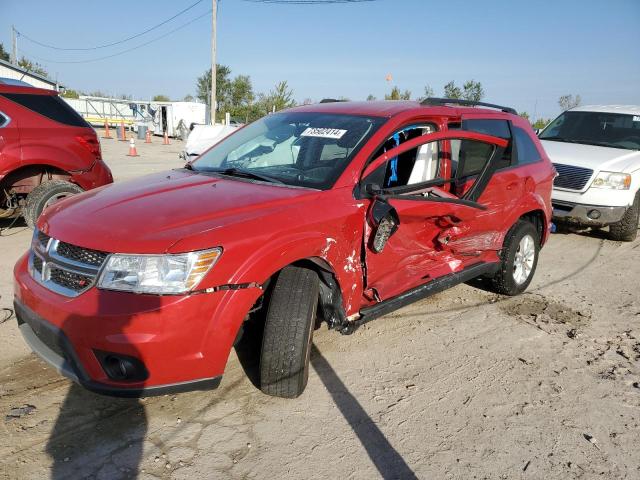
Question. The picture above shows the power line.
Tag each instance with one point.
(123, 51)
(308, 2)
(113, 43)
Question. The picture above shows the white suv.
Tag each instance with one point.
(596, 151)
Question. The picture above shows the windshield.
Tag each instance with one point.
(300, 149)
(595, 128)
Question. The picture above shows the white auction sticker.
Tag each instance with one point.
(636, 118)
(323, 132)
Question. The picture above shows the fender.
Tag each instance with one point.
(69, 158)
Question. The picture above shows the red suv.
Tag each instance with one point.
(47, 151)
(338, 212)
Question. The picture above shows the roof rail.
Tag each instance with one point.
(331, 100)
(465, 103)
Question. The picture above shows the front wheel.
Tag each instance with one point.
(626, 230)
(519, 260)
(288, 332)
(45, 195)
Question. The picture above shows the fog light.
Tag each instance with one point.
(122, 368)
(594, 214)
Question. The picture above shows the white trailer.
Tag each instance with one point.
(176, 118)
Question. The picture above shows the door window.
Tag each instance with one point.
(414, 166)
(473, 155)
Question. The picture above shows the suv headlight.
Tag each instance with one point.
(613, 180)
(157, 274)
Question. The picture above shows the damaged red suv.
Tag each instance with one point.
(338, 212)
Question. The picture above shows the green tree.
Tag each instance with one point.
(161, 98)
(68, 93)
(371, 98)
(280, 97)
(4, 55)
(32, 67)
(541, 123)
(396, 94)
(568, 102)
(452, 91)
(525, 115)
(203, 85)
(428, 91)
(472, 90)
(188, 98)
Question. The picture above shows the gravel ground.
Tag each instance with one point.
(463, 385)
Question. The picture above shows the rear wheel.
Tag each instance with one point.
(519, 260)
(45, 195)
(626, 230)
(288, 332)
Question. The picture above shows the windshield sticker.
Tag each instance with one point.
(636, 118)
(323, 132)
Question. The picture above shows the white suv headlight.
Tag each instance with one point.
(157, 274)
(613, 180)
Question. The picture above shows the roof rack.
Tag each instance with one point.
(466, 103)
(331, 100)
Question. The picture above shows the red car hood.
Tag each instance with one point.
(152, 213)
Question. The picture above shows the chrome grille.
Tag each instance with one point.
(64, 268)
(83, 255)
(43, 238)
(571, 177)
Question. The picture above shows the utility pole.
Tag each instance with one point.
(14, 46)
(214, 18)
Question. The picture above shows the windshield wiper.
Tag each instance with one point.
(237, 172)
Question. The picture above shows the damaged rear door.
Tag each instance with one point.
(422, 230)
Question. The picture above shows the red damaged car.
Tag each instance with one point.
(338, 212)
(47, 151)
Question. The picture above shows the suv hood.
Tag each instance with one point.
(593, 157)
(153, 213)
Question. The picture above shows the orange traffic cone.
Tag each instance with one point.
(132, 149)
(166, 139)
(106, 130)
(147, 138)
(123, 132)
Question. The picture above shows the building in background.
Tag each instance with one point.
(8, 70)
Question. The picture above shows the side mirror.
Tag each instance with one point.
(372, 189)
(384, 222)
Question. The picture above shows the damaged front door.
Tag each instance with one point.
(418, 231)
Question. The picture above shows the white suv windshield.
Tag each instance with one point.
(603, 129)
(300, 149)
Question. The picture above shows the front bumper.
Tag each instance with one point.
(182, 342)
(52, 345)
(590, 215)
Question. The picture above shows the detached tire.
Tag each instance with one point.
(288, 332)
(626, 230)
(44, 195)
(519, 260)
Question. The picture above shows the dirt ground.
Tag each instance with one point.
(464, 385)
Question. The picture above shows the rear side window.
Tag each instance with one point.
(527, 151)
(51, 106)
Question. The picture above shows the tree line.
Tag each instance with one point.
(237, 96)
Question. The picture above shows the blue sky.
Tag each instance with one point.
(525, 53)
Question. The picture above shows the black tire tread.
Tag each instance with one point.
(626, 230)
(284, 362)
(39, 196)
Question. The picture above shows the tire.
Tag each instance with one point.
(506, 281)
(626, 230)
(288, 333)
(44, 195)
